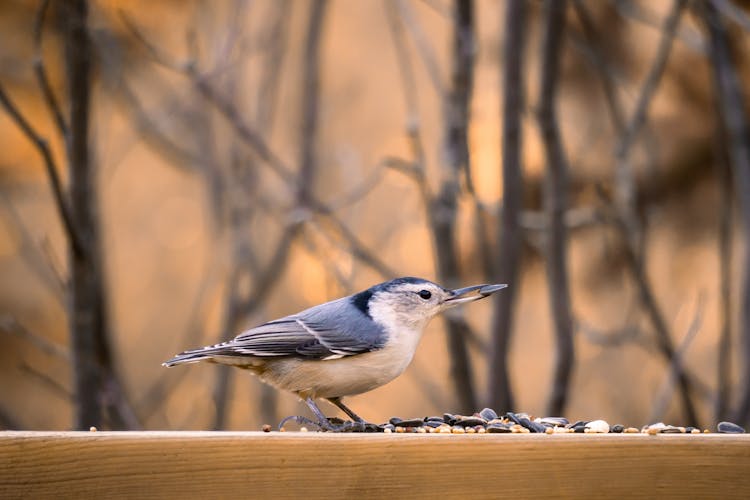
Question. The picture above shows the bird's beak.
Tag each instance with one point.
(463, 295)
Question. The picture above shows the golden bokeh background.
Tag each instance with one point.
(163, 154)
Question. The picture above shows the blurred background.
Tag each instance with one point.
(175, 172)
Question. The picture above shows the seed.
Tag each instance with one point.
(412, 422)
(549, 430)
(631, 430)
(730, 428)
(266, 428)
(617, 428)
(400, 430)
(481, 430)
(470, 421)
(598, 426)
(471, 430)
(458, 430)
(303, 429)
(387, 431)
(488, 414)
(93, 429)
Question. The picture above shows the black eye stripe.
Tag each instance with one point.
(425, 294)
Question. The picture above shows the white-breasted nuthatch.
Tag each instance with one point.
(343, 347)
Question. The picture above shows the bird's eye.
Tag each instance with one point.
(425, 294)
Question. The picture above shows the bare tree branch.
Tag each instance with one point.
(624, 176)
(665, 392)
(50, 165)
(10, 325)
(729, 96)
(637, 267)
(97, 385)
(724, 357)
(556, 204)
(41, 75)
(423, 45)
(510, 235)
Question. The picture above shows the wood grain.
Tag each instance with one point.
(311, 465)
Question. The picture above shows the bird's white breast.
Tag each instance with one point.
(348, 375)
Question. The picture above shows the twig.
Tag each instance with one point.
(636, 266)
(600, 65)
(728, 92)
(30, 251)
(510, 234)
(556, 203)
(423, 46)
(664, 394)
(10, 325)
(41, 75)
(650, 84)
(614, 338)
(624, 177)
(636, 11)
(51, 167)
(48, 381)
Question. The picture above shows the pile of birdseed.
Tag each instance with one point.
(488, 421)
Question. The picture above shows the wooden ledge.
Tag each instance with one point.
(314, 465)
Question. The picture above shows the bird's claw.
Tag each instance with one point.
(332, 424)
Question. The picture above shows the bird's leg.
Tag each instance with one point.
(297, 418)
(345, 409)
(323, 421)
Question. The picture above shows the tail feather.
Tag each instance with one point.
(196, 355)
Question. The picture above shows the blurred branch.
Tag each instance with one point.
(97, 385)
(724, 358)
(665, 392)
(637, 267)
(237, 308)
(625, 185)
(39, 261)
(47, 381)
(731, 105)
(648, 89)
(256, 142)
(40, 72)
(601, 66)
(61, 202)
(423, 45)
(156, 394)
(573, 218)
(614, 338)
(11, 325)
(441, 209)
(555, 202)
(510, 237)
(637, 11)
(731, 11)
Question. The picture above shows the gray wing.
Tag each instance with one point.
(327, 331)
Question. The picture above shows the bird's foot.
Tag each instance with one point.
(332, 424)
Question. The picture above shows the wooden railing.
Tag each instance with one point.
(394, 466)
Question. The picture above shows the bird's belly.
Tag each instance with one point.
(337, 377)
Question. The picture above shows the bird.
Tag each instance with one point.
(343, 347)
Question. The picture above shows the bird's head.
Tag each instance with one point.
(414, 301)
